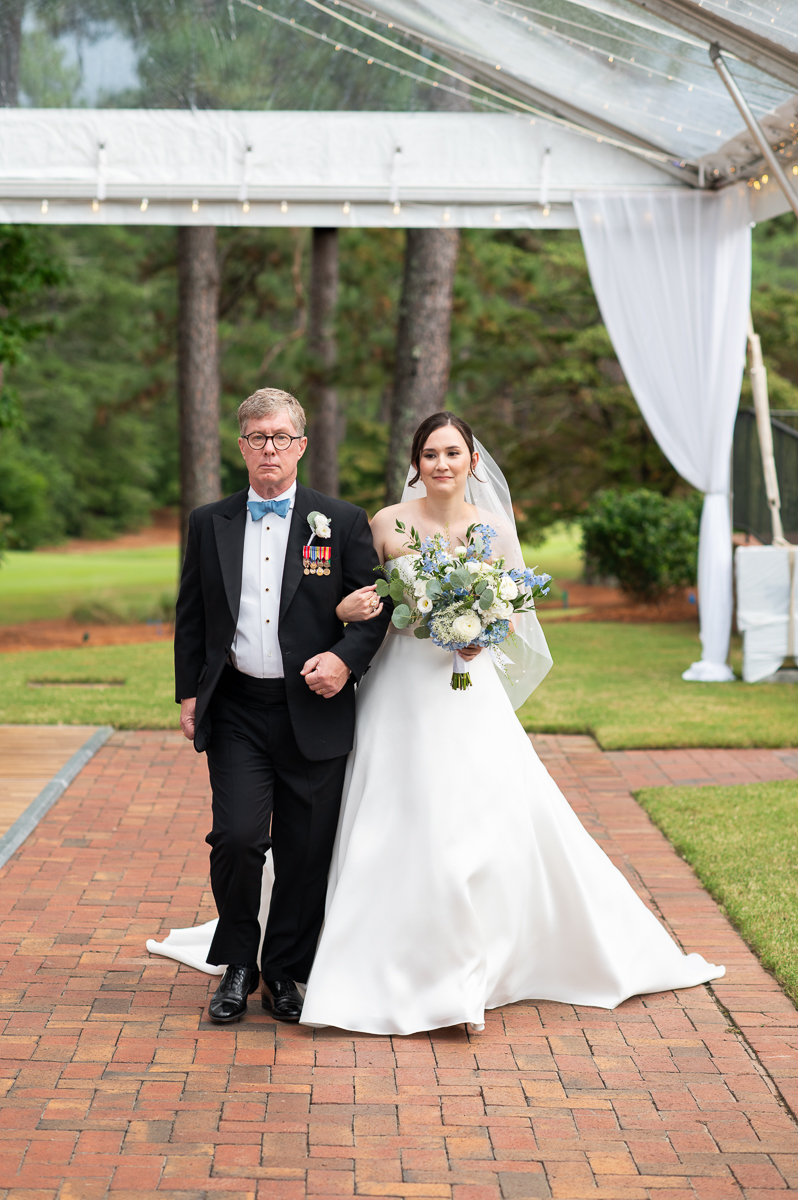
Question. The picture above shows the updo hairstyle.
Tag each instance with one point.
(429, 425)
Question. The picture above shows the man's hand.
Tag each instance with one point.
(469, 652)
(325, 674)
(187, 709)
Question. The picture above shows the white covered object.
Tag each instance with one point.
(672, 275)
(765, 583)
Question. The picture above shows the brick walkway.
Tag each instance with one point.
(114, 1083)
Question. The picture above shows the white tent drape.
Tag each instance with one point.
(672, 275)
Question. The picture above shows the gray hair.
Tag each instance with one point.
(268, 401)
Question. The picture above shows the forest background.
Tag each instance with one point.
(90, 443)
(95, 447)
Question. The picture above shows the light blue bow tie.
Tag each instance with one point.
(259, 508)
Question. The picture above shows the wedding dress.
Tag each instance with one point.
(461, 879)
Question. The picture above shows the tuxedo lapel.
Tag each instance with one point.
(229, 531)
(298, 536)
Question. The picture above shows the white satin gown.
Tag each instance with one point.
(461, 879)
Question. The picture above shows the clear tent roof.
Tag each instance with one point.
(636, 72)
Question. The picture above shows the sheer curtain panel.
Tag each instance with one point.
(672, 275)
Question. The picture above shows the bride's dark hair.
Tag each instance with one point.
(429, 425)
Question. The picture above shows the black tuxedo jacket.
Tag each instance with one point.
(208, 603)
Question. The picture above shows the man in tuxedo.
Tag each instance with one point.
(265, 676)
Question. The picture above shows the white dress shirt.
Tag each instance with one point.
(256, 649)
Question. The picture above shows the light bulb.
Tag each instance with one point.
(46, 203)
(195, 205)
(95, 206)
(144, 205)
(284, 206)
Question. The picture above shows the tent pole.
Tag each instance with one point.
(759, 386)
(769, 155)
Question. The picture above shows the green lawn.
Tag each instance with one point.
(560, 556)
(743, 844)
(619, 682)
(622, 684)
(145, 701)
(128, 584)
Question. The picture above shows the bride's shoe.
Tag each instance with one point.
(472, 1027)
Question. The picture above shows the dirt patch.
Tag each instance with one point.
(164, 531)
(66, 635)
(610, 604)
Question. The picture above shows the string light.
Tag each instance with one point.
(546, 211)
(144, 205)
(497, 215)
(446, 215)
(345, 209)
(46, 203)
(245, 206)
(95, 206)
(397, 208)
(283, 206)
(195, 205)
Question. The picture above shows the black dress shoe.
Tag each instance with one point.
(281, 997)
(229, 1001)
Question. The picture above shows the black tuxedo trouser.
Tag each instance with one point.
(260, 779)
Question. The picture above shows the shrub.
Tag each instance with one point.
(647, 541)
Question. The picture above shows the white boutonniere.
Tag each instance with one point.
(320, 526)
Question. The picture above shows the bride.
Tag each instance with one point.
(461, 879)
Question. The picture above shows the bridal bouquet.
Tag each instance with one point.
(459, 598)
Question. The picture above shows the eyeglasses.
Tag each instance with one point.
(280, 441)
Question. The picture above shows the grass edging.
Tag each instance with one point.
(742, 843)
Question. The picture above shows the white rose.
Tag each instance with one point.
(461, 551)
(473, 567)
(508, 589)
(424, 605)
(466, 627)
(420, 587)
(322, 525)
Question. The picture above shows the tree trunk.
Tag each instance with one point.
(11, 13)
(323, 349)
(198, 369)
(423, 356)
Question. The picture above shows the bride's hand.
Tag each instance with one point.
(361, 605)
(469, 653)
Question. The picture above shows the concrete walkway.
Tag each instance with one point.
(114, 1083)
(29, 757)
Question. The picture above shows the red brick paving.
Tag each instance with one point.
(113, 1083)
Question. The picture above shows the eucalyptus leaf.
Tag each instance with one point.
(401, 616)
(478, 544)
(486, 599)
(396, 591)
(383, 587)
(422, 631)
(479, 587)
(433, 589)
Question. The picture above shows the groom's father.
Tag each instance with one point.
(265, 676)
